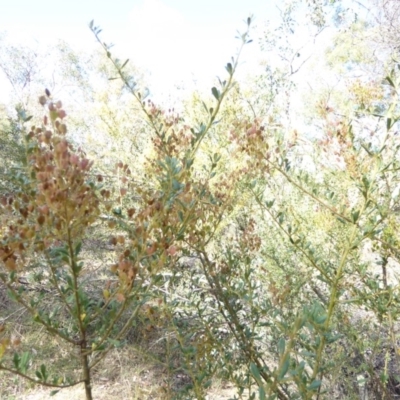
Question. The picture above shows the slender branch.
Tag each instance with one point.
(318, 200)
(16, 372)
(36, 316)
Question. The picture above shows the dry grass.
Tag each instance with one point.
(126, 373)
(119, 391)
(124, 376)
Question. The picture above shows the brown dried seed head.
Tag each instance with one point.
(112, 241)
(62, 114)
(42, 100)
(63, 129)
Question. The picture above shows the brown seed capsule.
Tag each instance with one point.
(113, 241)
(62, 114)
(42, 100)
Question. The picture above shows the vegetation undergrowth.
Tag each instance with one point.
(228, 257)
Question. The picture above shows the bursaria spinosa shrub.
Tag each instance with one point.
(45, 220)
(253, 265)
(56, 202)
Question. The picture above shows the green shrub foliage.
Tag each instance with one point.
(275, 277)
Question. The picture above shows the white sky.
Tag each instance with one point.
(178, 42)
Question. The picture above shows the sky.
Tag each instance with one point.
(178, 42)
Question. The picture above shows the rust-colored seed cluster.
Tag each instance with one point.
(55, 202)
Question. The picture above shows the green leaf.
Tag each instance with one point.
(270, 203)
(207, 384)
(255, 372)
(320, 319)
(391, 83)
(284, 367)
(126, 62)
(229, 68)
(366, 182)
(306, 353)
(355, 215)
(314, 385)
(24, 362)
(215, 92)
(117, 211)
(116, 343)
(331, 338)
(54, 392)
(44, 372)
(12, 295)
(16, 360)
(281, 346)
(388, 123)
(78, 248)
(189, 162)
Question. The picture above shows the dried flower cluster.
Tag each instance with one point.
(55, 202)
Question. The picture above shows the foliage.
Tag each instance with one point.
(266, 259)
(11, 147)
